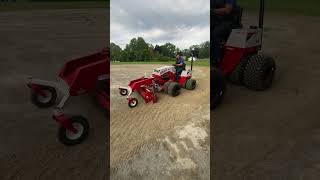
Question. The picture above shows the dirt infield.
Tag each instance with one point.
(168, 139)
(274, 134)
(38, 43)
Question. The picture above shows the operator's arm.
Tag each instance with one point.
(227, 9)
(180, 63)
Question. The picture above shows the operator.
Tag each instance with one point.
(179, 65)
(222, 25)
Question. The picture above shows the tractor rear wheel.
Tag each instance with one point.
(174, 89)
(166, 85)
(259, 72)
(218, 88)
(191, 84)
(236, 77)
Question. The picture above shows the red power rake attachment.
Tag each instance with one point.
(163, 79)
(89, 74)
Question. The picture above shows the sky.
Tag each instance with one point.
(181, 22)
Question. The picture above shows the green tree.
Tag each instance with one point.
(137, 50)
(115, 52)
(186, 52)
(204, 50)
(168, 50)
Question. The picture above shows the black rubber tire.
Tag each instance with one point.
(236, 77)
(123, 92)
(35, 97)
(62, 132)
(191, 84)
(259, 72)
(174, 89)
(166, 85)
(133, 105)
(218, 88)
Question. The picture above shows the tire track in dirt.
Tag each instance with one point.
(181, 153)
(133, 128)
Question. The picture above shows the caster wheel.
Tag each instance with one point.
(68, 137)
(123, 92)
(133, 102)
(48, 100)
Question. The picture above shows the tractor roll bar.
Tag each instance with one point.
(192, 55)
(261, 14)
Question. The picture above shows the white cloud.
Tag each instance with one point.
(181, 22)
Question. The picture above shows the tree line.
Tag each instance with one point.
(139, 50)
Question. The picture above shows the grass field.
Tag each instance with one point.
(204, 62)
(306, 7)
(35, 5)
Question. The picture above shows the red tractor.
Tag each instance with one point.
(88, 74)
(163, 79)
(241, 60)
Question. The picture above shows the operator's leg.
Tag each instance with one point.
(178, 73)
(220, 33)
(216, 48)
